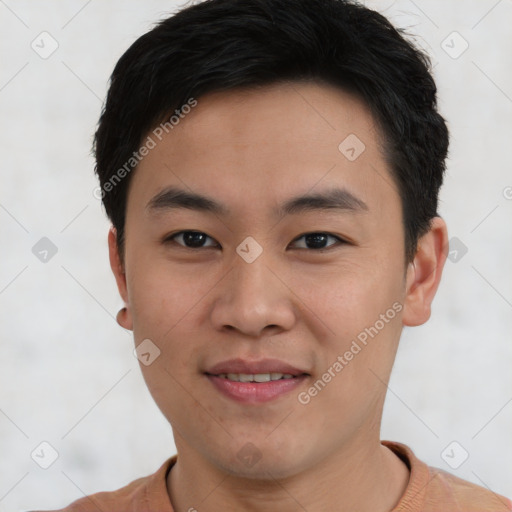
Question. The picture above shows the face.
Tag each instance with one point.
(267, 283)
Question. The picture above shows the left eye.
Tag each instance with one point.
(198, 240)
(195, 238)
(317, 241)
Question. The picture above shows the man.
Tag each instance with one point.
(271, 169)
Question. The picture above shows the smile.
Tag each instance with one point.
(255, 388)
(257, 377)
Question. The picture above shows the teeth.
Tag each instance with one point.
(257, 377)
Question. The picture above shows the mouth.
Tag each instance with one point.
(256, 381)
(257, 377)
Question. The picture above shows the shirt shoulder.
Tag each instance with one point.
(144, 494)
(432, 489)
(463, 496)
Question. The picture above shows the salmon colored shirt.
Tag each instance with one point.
(429, 490)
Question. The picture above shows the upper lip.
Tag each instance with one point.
(254, 367)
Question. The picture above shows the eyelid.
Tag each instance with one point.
(170, 239)
(340, 240)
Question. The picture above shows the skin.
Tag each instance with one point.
(252, 150)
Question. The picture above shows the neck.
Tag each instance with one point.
(365, 476)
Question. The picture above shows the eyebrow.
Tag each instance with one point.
(340, 199)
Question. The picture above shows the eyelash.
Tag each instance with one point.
(341, 241)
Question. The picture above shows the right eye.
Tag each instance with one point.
(190, 239)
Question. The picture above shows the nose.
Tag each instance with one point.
(254, 300)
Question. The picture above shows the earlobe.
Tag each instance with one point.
(424, 274)
(123, 318)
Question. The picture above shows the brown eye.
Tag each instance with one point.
(318, 241)
(191, 239)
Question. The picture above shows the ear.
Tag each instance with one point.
(424, 273)
(124, 317)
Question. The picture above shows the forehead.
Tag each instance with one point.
(296, 111)
(254, 147)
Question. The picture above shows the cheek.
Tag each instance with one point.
(354, 298)
(161, 295)
(350, 386)
(168, 307)
(163, 309)
(363, 311)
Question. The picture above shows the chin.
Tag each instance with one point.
(266, 464)
(264, 471)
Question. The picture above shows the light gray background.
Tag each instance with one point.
(67, 371)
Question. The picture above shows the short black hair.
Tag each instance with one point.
(220, 45)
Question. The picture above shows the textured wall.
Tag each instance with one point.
(68, 376)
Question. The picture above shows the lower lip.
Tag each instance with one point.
(255, 392)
